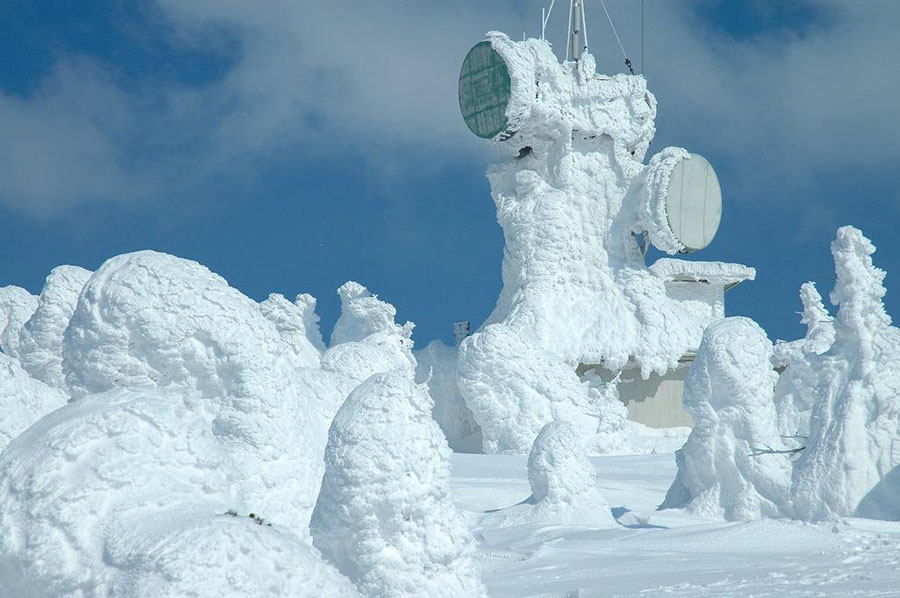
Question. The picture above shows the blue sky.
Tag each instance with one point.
(289, 155)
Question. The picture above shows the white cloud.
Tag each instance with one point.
(379, 79)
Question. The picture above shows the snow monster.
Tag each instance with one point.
(574, 199)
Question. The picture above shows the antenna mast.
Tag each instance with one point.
(576, 29)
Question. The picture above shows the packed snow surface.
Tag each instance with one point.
(383, 516)
(666, 553)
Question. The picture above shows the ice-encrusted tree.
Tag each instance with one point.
(793, 401)
(127, 493)
(384, 516)
(23, 400)
(850, 462)
(728, 391)
(41, 339)
(563, 484)
(16, 307)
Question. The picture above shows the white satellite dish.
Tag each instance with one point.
(694, 203)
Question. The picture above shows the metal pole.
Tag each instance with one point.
(576, 29)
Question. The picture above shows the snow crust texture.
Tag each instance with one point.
(575, 286)
(563, 485)
(384, 516)
(728, 392)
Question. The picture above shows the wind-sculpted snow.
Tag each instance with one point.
(563, 485)
(41, 339)
(728, 392)
(849, 466)
(23, 400)
(16, 306)
(127, 493)
(383, 516)
(575, 286)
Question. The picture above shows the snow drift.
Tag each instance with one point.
(383, 516)
(728, 392)
(563, 485)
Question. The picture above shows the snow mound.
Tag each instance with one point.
(23, 400)
(41, 339)
(148, 318)
(568, 192)
(728, 392)
(849, 466)
(563, 485)
(16, 307)
(127, 493)
(437, 366)
(384, 516)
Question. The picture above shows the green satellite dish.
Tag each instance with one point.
(484, 90)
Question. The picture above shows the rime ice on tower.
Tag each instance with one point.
(572, 195)
(563, 485)
(851, 464)
(728, 391)
(383, 516)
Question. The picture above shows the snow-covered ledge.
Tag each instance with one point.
(700, 286)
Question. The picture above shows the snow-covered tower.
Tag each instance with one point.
(577, 206)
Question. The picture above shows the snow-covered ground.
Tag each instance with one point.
(665, 553)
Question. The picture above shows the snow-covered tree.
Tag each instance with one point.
(383, 516)
(854, 431)
(729, 391)
(792, 398)
(563, 484)
(23, 400)
(41, 339)
(16, 307)
(132, 493)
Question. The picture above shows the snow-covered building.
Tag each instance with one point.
(700, 288)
